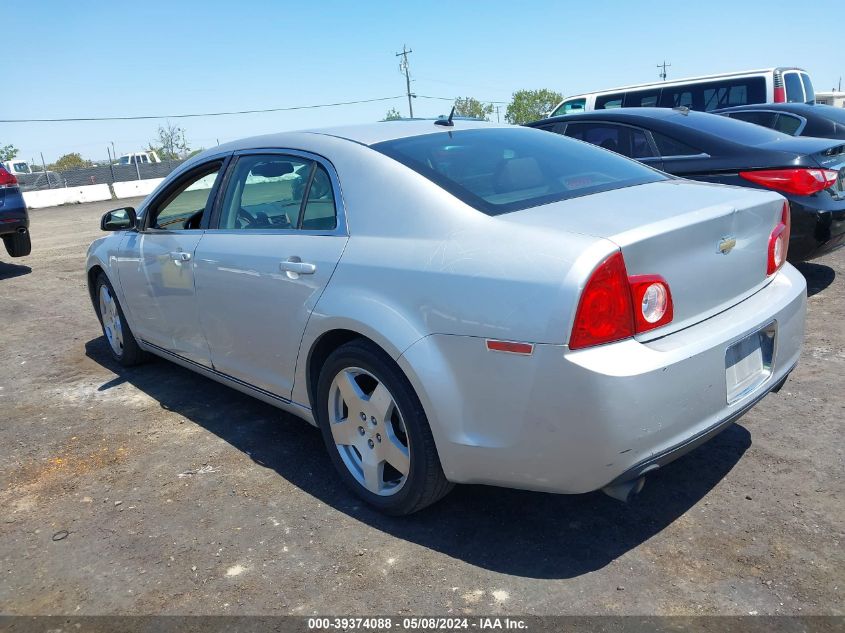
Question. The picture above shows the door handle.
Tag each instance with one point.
(297, 267)
(180, 256)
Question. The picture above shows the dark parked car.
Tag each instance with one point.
(795, 119)
(809, 172)
(14, 221)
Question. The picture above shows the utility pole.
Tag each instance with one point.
(664, 66)
(403, 67)
(498, 120)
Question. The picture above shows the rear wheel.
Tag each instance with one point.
(18, 244)
(376, 430)
(122, 344)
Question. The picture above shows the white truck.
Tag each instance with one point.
(17, 167)
(139, 158)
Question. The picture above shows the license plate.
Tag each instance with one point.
(748, 363)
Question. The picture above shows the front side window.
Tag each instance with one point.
(631, 142)
(182, 207)
(507, 169)
(573, 105)
(276, 191)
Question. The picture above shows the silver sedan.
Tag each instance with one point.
(460, 302)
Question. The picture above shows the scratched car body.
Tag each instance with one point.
(464, 303)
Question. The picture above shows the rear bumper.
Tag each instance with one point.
(13, 214)
(572, 422)
(815, 232)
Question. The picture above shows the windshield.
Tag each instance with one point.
(498, 170)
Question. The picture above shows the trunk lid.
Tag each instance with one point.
(710, 242)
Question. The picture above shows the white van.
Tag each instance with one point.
(139, 158)
(771, 85)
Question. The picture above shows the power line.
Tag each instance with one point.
(403, 67)
(201, 114)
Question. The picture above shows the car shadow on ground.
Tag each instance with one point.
(8, 271)
(818, 276)
(508, 531)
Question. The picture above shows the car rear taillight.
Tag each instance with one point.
(7, 179)
(779, 242)
(800, 181)
(780, 94)
(614, 306)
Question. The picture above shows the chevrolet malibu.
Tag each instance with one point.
(460, 302)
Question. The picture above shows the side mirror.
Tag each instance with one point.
(119, 219)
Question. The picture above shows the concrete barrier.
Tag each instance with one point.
(66, 195)
(135, 188)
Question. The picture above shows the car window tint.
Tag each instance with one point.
(573, 105)
(787, 124)
(506, 169)
(320, 213)
(607, 102)
(794, 88)
(668, 146)
(183, 207)
(265, 192)
(622, 139)
(641, 99)
(766, 119)
(809, 93)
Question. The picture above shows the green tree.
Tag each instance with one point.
(471, 107)
(530, 105)
(69, 161)
(392, 115)
(8, 152)
(171, 143)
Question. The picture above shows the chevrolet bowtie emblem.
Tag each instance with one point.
(726, 245)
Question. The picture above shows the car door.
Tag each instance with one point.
(156, 267)
(277, 234)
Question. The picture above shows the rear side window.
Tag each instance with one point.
(641, 99)
(607, 102)
(669, 147)
(787, 124)
(711, 95)
(500, 170)
(794, 88)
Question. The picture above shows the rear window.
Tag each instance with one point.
(809, 93)
(501, 170)
(794, 88)
(727, 128)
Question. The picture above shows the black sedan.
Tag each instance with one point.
(795, 119)
(14, 221)
(809, 172)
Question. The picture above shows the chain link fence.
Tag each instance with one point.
(95, 175)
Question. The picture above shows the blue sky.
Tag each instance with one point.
(93, 58)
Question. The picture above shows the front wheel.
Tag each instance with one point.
(18, 244)
(122, 344)
(376, 431)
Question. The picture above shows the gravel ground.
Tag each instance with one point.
(154, 490)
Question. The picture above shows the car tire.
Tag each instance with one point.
(18, 244)
(121, 342)
(356, 440)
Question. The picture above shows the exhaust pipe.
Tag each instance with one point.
(626, 490)
(22, 230)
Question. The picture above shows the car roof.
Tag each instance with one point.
(363, 134)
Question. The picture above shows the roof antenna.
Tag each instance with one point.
(446, 122)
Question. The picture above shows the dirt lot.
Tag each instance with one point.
(178, 495)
